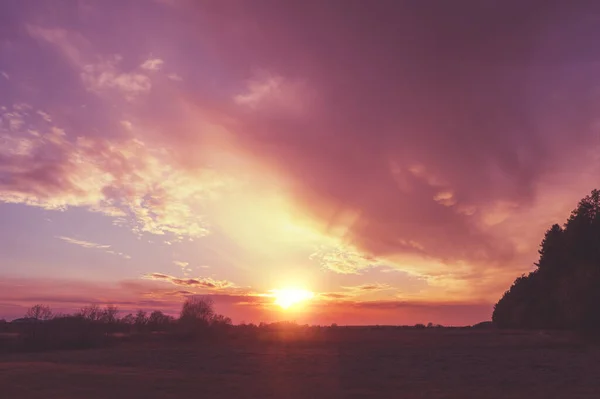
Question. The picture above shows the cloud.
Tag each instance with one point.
(270, 93)
(181, 263)
(358, 292)
(438, 147)
(5, 75)
(105, 75)
(69, 43)
(152, 64)
(333, 295)
(184, 267)
(343, 260)
(369, 287)
(204, 283)
(93, 245)
(121, 177)
(175, 77)
(45, 116)
(84, 244)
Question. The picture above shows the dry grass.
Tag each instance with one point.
(358, 364)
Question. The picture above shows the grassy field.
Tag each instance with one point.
(356, 364)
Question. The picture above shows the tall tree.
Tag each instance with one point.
(563, 291)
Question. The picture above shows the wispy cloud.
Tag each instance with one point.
(82, 243)
(98, 73)
(357, 291)
(45, 116)
(71, 44)
(93, 245)
(333, 295)
(185, 269)
(152, 64)
(5, 75)
(105, 75)
(369, 287)
(269, 93)
(181, 264)
(343, 260)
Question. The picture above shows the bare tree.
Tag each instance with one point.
(91, 312)
(141, 320)
(109, 314)
(198, 308)
(128, 319)
(39, 312)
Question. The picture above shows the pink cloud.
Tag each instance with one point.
(435, 147)
(152, 64)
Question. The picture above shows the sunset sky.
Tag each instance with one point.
(400, 161)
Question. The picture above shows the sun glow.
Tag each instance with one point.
(288, 297)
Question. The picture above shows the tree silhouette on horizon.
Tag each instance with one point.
(563, 291)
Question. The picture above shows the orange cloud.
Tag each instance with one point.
(207, 283)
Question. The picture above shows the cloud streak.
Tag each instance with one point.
(82, 243)
(203, 283)
(93, 245)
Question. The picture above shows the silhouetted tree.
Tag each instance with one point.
(158, 321)
(109, 314)
(128, 320)
(562, 292)
(141, 320)
(39, 312)
(91, 313)
(198, 309)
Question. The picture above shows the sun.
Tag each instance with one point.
(288, 297)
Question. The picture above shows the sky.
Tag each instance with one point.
(400, 161)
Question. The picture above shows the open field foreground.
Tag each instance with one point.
(355, 364)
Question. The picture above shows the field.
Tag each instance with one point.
(353, 364)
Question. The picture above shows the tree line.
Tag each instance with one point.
(563, 292)
(41, 328)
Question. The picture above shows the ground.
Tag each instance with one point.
(361, 364)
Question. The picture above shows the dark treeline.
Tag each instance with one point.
(94, 326)
(563, 292)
